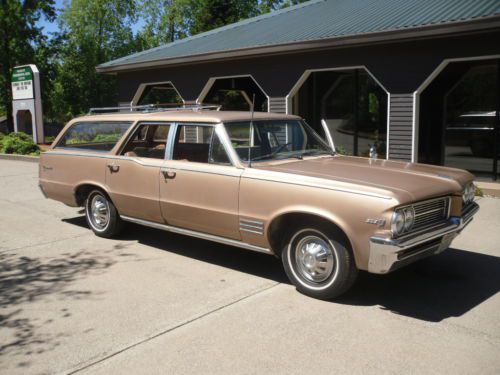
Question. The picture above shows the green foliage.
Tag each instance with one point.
(20, 37)
(166, 21)
(49, 139)
(19, 143)
(478, 192)
(107, 138)
(341, 150)
(93, 32)
(96, 31)
(210, 14)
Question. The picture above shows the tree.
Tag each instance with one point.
(19, 38)
(165, 22)
(92, 32)
(206, 15)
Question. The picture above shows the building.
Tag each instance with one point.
(420, 79)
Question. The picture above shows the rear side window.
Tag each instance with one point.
(94, 136)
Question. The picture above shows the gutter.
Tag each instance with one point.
(491, 23)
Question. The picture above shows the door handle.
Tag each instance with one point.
(168, 175)
(113, 168)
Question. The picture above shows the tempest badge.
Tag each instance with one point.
(379, 222)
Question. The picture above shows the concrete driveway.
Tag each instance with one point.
(152, 302)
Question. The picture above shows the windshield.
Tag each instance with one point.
(275, 139)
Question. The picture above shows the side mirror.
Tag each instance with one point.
(328, 134)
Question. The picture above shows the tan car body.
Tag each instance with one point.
(246, 206)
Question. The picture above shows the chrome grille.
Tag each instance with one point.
(431, 212)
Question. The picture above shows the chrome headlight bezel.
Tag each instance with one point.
(402, 220)
(397, 222)
(409, 213)
(468, 193)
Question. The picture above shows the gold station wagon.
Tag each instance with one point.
(263, 182)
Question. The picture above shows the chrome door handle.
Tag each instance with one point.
(113, 168)
(168, 175)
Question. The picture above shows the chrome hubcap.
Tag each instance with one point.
(314, 259)
(99, 212)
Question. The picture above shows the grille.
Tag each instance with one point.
(430, 213)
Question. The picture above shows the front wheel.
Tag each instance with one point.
(101, 214)
(319, 262)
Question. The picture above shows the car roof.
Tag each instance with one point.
(206, 116)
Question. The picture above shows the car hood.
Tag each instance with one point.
(404, 181)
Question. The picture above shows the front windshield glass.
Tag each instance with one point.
(275, 139)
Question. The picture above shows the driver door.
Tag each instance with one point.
(199, 186)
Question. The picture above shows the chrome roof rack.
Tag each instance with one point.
(153, 108)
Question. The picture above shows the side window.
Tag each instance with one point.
(199, 144)
(148, 141)
(94, 136)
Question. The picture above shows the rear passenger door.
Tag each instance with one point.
(133, 176)
(199, 185)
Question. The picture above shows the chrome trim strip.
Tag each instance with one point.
(114, 157)
(204, 236)
(252, 231)
(203, 168)
(252, 221)
(249, 226)
(431, 211)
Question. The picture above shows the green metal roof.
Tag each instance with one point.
(317, 20)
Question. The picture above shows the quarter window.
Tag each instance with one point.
(95, 136)
(199, 144)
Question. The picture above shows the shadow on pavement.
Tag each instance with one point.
(436, 288)
(433, 289)
(257, 264)
(26, 280)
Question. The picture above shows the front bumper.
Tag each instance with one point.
(388, 254)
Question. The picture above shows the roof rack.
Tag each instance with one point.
(153, 108)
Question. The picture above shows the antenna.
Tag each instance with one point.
(250, 135)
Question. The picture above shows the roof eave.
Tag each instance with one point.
(483, 24)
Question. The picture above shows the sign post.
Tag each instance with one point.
(27, 101)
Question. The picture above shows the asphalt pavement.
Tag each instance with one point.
(152, 302)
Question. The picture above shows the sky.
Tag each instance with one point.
(51, 27)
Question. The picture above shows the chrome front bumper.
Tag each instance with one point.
(388, 254)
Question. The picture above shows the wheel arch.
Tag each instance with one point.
(282, 221)
(83, 189)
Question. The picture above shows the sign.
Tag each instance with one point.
(22, 83)
(27, 101)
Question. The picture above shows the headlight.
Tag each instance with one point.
(397, 222)
(409, 218)
(468, 193)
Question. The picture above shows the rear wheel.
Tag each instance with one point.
(101, 214)
(319, 262)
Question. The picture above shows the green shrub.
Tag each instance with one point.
(19, 143)
(101, 138)
(49, 139)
